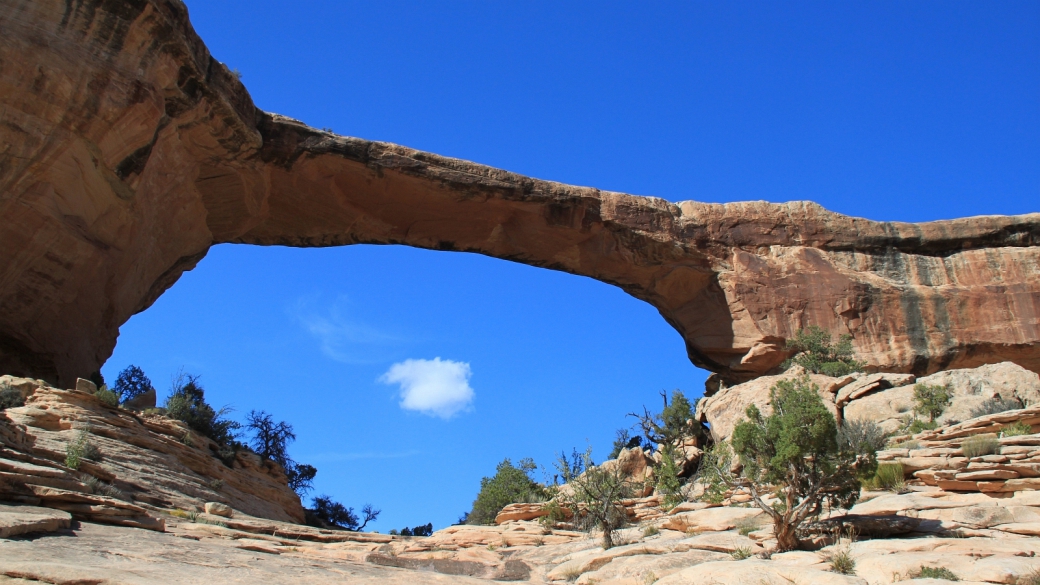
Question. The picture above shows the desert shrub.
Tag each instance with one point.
(1016, 429)
(1033, 578)
(861, 436)
(716, 458)
(931, 400)
(107, 397)
(187, 403)
(979, 445)
(509, 485)
(650, 530)
(79, 450)
(595, 497)
(673, 424)
(131, 383)
(555, 513)
(889, 476)
(96, 486)
(325, 512)
(815, 352)
(215, 484)
(996, 404)
(271, 441)
(841, 561)
(669, 484)
(909, 444)
(624, 440)
(10, 397)
(741, 553)
(935, 573)
(424, 530)
(793, 453)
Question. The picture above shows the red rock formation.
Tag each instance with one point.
(127, 151)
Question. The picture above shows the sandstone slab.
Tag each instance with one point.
(16, 520)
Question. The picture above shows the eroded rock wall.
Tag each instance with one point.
(128, 151)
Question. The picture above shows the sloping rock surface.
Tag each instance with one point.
(144, 464)
(129, 151)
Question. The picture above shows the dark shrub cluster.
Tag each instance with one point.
(327, 513)
(509, 485)
(815, 352)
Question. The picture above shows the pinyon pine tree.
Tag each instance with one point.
(793, 454)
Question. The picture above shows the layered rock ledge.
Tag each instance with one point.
(129, 151)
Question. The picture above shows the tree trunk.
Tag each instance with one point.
(608, 540)
(786, 539)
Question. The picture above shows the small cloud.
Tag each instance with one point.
(435, 387)
(340, 337)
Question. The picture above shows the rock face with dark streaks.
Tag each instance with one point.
(126, 151)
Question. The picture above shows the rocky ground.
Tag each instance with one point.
(139, 512)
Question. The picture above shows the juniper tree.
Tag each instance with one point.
(793, 454)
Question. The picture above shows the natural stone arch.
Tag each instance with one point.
(132, 151)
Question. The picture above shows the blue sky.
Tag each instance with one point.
(408, 374)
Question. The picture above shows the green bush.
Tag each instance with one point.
(187, 403)
(931, 400)
(10, 397)
(80, 449)
(1016, 429)
(793, 453)
(741, 553)
(669, 484)
(842, 562)
(979, 445)
(995, 405)
(327, 513)
(509, 485)
(96, 486)
(862, 438)
(673, 424)
(596, 495)
(107, 397)
(935, 573)
(815, 352)
(746, 526)
(131, 383)
(889, 476)
(624, 440)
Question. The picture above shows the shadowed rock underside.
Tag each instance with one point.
(127, 151)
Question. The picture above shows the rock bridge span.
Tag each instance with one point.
(127, 151)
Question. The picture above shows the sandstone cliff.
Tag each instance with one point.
(128, 151)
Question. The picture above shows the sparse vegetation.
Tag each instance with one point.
(187, 403)
(1016, 429)
(422, 530)
(908, 444)
(327, 513)
(96, 486)
(931, 400)
(841, 561)
(271, 441)
(669, 484)
(673, 424)
(889, 476)
(741, 553)
(650, 530)
(624, 440)
(979, 445)
(80, 449)
(1033, 578)
(815, 352)
(10, 397)
(793, 453)
(934, 573)
(131, 383)
(995, 405)
(595, 496)
(509, 485)
(216, 485)
(107, 397)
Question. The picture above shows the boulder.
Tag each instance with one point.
(142, 401)
(514, 512)
(218, 509)
(16, 520)
(724, 409)
(711, 519)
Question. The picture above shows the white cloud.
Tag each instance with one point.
(435, 387)
(341, 337)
